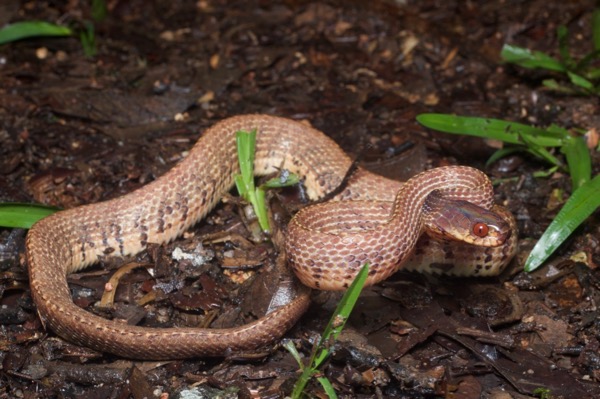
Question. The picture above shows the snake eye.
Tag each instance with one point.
(481, 229)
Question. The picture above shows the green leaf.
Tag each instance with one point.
(580, 81)
(596, 28)
(541, 152)
(586, 61)
(289, 345)
(593, 74)
(543, 393)
(530, 59)
(333, 329)
(260, 208)
(509, 132)
(554, 85)
(23, 216)
(285, 180)
(241, 187)
(87, 37)
(563, 46)
(578, 159)
(342, 312)
(327, 387)
(26, 29)
(99, 10)
(501, 153)
(545, 173)
(557, 130)
(584, 201)
(246, 144)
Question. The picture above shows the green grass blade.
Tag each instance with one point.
(584, 201)
(585, 62)
(563, 45)
(332, 331)
(580, 81)
(501, 153)
(260, 208)
(545, 173)
(87, 37)
(246, 144)
(23, 216)
(241, 186)
(530, 59)
(99, 10)
(342, 312)
(289, 345)
(557, 131)
(541, 153)
(554, 85)
(594, 73)
(596, 28)
(579, 160)
(542, 393)
(285, 180)
(26, 29)
(509, 132)
(327, 387)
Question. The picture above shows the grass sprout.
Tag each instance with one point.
(523, 138)
(87, 37)
(583, 75)
(585, 198)
(321, 350)
(85, 29)
(99, 10)
(246, 146)
(542, 393)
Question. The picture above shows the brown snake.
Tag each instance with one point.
(321, 242)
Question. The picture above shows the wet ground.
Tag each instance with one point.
(76, 130)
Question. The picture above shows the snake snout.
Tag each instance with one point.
(460, 220)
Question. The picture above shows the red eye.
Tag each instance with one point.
(481, 229)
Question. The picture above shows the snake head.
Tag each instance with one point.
(463, 221)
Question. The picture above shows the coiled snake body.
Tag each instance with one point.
(326, 246)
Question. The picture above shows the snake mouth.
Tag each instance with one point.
(501, 233)
(496, 236)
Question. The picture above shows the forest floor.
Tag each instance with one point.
(77, 129)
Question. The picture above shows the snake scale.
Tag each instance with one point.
(326, 244)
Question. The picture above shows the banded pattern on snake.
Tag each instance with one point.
(317, 244)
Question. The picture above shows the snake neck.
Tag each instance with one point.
(450, 182)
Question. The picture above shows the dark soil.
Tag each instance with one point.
(77, 130)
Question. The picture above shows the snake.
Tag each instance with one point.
(426, 223)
